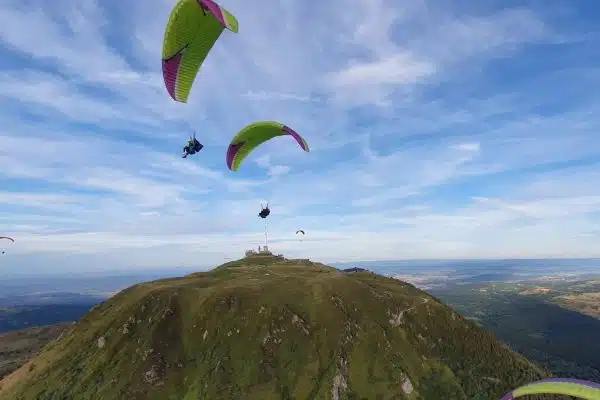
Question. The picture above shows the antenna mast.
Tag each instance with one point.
(266, 236)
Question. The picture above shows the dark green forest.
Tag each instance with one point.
(563, 341)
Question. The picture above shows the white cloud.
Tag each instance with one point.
(275, 96)
(398, 69)
(469, 147)
(278, 170)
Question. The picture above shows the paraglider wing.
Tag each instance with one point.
(300, 231)
(193, 28)
(253, 136)
(571, 387)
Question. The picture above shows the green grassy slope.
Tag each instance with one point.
(267, 328)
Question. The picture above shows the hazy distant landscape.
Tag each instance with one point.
(438, 273)
(44, 300)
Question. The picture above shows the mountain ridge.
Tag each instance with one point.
(267, 327)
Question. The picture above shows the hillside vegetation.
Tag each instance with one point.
(269, 328)
(17, 347)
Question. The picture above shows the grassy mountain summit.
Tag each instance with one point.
(265, 327)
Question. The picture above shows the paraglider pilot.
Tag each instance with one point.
(264, 213)
(192, 147)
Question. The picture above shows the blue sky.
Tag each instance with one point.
(438, 129)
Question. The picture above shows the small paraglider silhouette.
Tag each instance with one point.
(264, 213)
(7, 238)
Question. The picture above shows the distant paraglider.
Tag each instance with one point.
(300, 231)
(194, 27)
(192, 147)
(570, 387)
(7, 238)
(253, 136)
(265, 211)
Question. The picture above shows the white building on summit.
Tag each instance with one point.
(262, 251)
